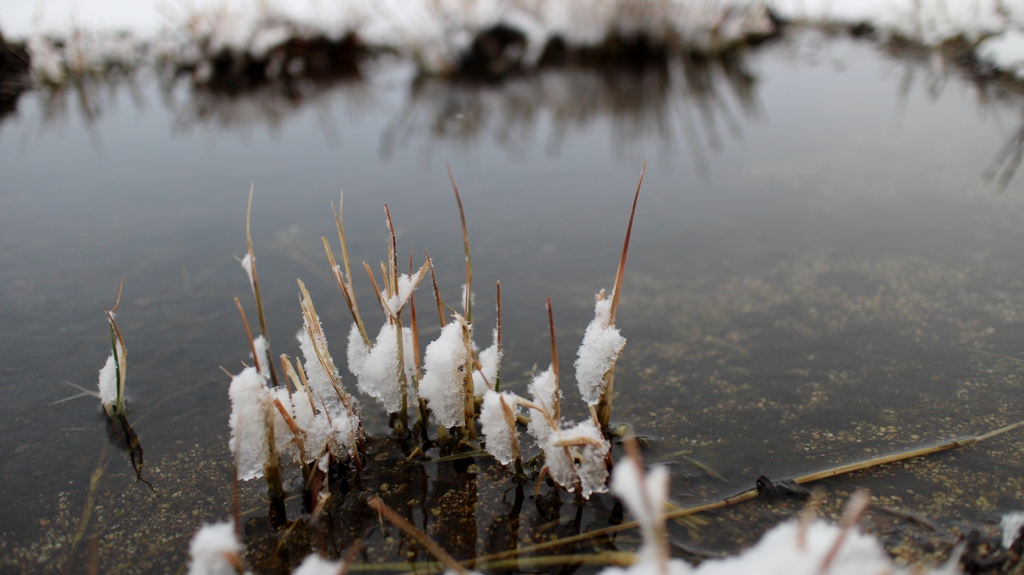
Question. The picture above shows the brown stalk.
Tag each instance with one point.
(120, 359)
(248, 333)
(403, 379)
(416, 348)
(625, 247)
(286, 365)
(312, 322)
(272, 471)
(556, 400)
(468, 304)
(437, 292)
(510, 420)
(497, 377)
(346, 292)
(376, 290)
(415, 326)
(256, 284)
(402, 523)
(469, 426)
(294, 427)
(392, 252)
(604, 403)
(339, 223)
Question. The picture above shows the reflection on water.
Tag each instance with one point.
(836, 283)
(688, 98)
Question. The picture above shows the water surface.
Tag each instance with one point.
(825, 266)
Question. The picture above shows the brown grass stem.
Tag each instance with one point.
(556, 398)
(90, 505)
(402, 523)
(437, 292)
(339, 223)
(248, 334)
(497, 376)
(256, 283)
(604, 403)
(346, 291)
(468, 304)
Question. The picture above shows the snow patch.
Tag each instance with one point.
(444, 365)
(211, 548)
(602, 344)
(498, 427)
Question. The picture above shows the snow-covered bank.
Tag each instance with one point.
(74, 37)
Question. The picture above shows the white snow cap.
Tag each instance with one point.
(247, 262)
(317, 565)
(406, 285)
(1011, 526)
(490, 362)
(211, 548)
(444, 365)
(602, 344)
(501, 434)
(108, 383)
(249, 403)
(578, 454)
(376, 369)
(544, 393)
(645, 498)
(262, 355)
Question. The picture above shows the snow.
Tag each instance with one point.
(645, 497)
(262, 355)
(1005, 52)
(247, 263)
(435, 33)
(578, 454)
(320, 383)
(212, 548)
(490, 363)
(602, 344)
(317, 565)
(1011, 525)
(376, 369)
(930, 22)
(406, 285)
(795, 547)
(498, 423)
(108, 383)
(546, 395)
(249, 403)
(780, 552)
(444, 365)
(315, 425)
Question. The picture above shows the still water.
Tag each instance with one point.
(826, 266)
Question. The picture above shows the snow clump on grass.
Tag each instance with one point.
(262, 358)
(376, 368)
(498, 423)
(1011, 525)
(602, 344)
(444, 368)
(317, 565)
(215, 550)
(577, 456)
(249, 403)
(546, 395)
(490, 362)
(108, 383)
